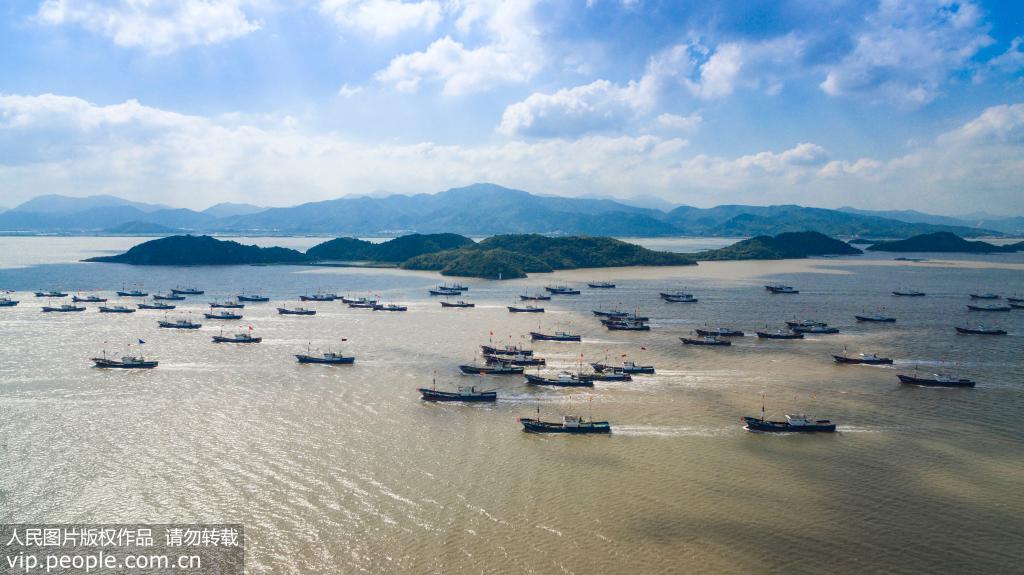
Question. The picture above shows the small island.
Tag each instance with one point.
(515, 255)
(790, 245)
(201, 251)
(396, 250)
(941, 242)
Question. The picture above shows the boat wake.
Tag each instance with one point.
(670, 431)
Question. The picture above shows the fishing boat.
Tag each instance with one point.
(222, 315)
(561, 290)
(779, 334)
(116, 309)
(319, 297)
(364, 304)
(793, 423)
(462, 393)
(678, 297)
(627, 367)
(326, 358)
(525, 309)
(8, 302)
(627, 325)
(610, 313)
(168, 296)
(719, 332)
(601, 285)
(390, 307)
(806, 323)
(522, 360)
(187, 291)
(492, 369)
(706, 340)
(534, 297)
(51, 294)
(445, 292)
(242, 337)
(989, 307)
(936, 380)
(908, 293)
(88, 299)
(132, 293)
(179, 324)
(507, 350)
(459, 303)
(155, 305)
(63, 308)
(227, 304)
(454, 287)
(348, 300)
(984, 296)
(252, 298)
(563, 379)
(875, 318)
(815, 330)
(607, 376)
(126, 362)
(569, 424)
(295, 311)
(980, 330)
(779, 288)
(627, 317)
(557, 336)
(863, 359)
(1014, 299)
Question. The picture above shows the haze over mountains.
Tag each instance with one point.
(478, 209)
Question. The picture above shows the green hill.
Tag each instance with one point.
(939, 242)
(200, 250)
(783, 246)
(396, 250)
(512, 256)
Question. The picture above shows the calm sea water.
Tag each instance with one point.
(345, 470)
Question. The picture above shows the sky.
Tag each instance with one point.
(877, 105)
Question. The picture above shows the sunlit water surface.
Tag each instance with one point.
(345, 470)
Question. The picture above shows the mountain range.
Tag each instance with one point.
(478, 210)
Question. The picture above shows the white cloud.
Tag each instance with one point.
(680, 123)
(347, 91)
(513, 54)
(752, 65)
(68, 145)
(383, 18)
(158, 26)
(908, 49)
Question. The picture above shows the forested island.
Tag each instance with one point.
(512, 255)
(943, 242)
(792, 245)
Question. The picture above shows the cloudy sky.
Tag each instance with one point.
(882, 105)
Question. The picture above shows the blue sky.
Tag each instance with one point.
(828, 103)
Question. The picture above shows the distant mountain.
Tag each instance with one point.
(228, 209)
(200, 250)
(939, 242)
(141, 228)
(979, 220)
(734, 220)
(475, 210)
(57, 204)
(787, 245)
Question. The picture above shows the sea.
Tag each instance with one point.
(344, 469)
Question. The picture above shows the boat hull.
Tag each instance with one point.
(219, 316)
(448, 304)
(721, 342)
(862, 361)
(514, 309)
(283, 311)
(434, 395)
(755, 424)
(547, 337)
(325, 361)
(253, 299)
(871, 319)
(151, 306)
(538, 426)
(719, 333)
(908, 294)
(926, 382)
(62, 310)
(992, 308)
(222, 339)
(601, 286)
(539, 380)
(177, 326)
(765, 335)
(487, 370)
(969, 331)
(188, 291)
(114, 364)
